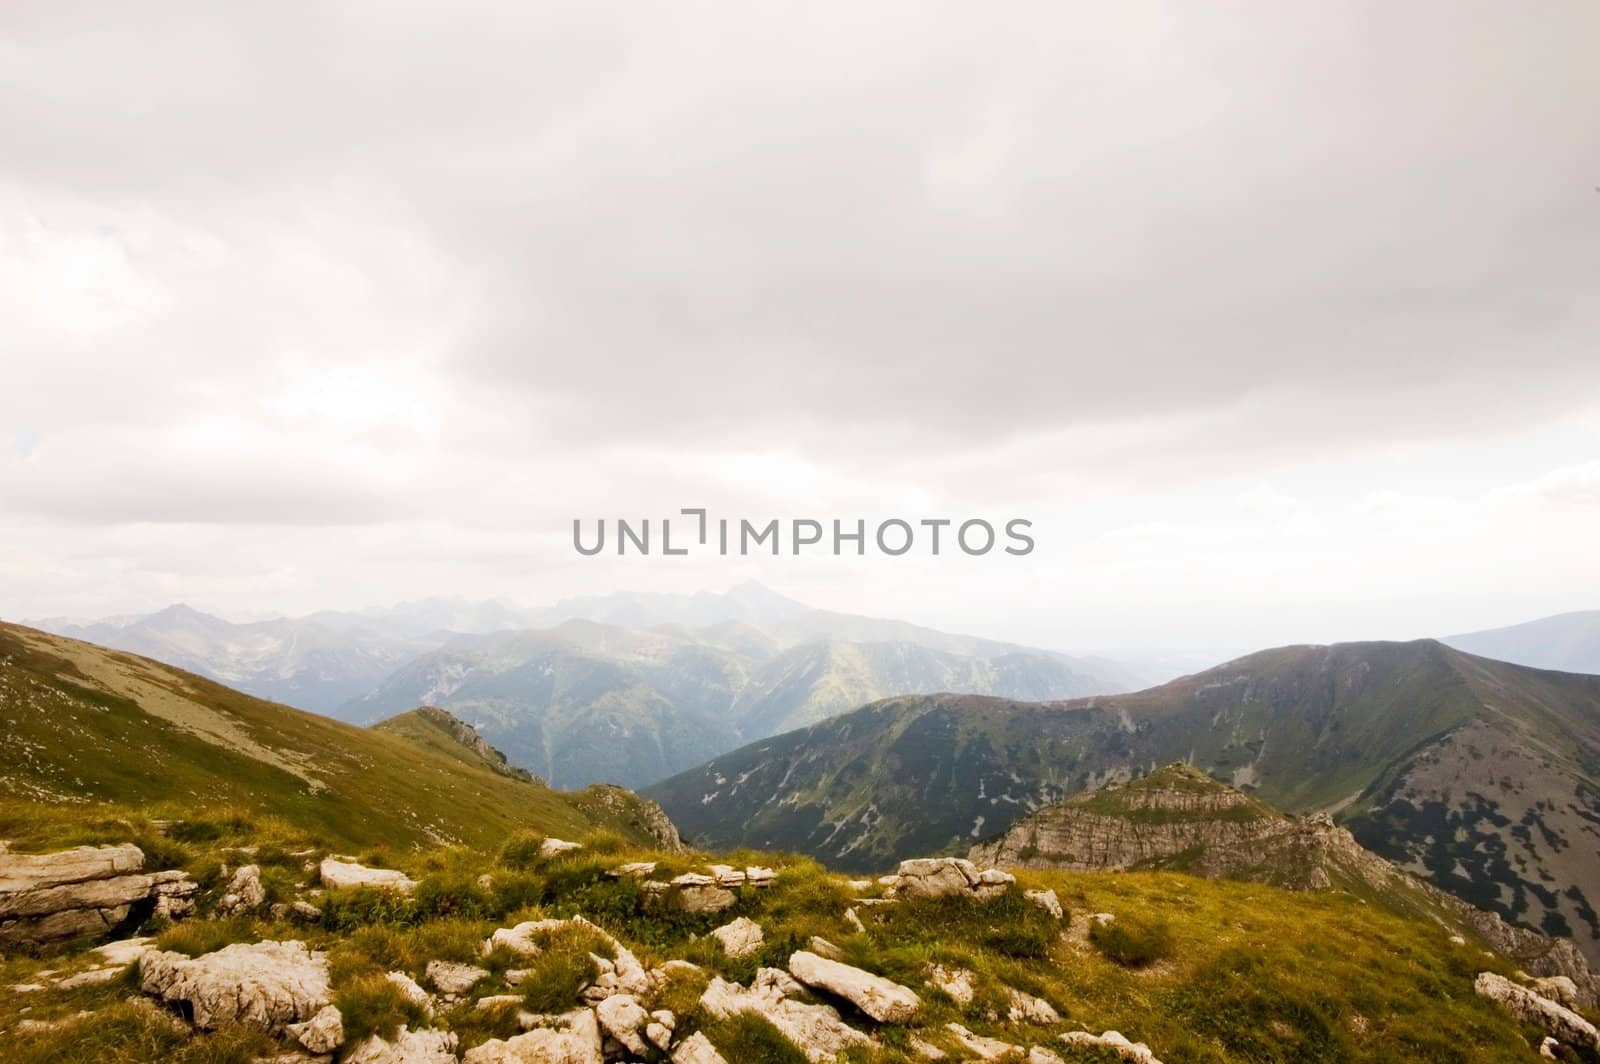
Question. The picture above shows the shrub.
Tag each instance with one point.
(345, 910)
(521, 850)
(373, 1005)
(452, 896)
(516, 891)
(194, 937)
(750, 1039)
(562, 968)
(1132, 941)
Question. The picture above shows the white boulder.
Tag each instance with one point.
(880, 998)
(336, 873)
(267, 985)
(739, 938)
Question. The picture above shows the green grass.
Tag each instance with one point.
(73, 741)
(1132, 941)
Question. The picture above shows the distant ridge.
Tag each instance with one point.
(1567, 642)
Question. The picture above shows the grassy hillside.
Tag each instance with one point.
(1204, 972)
(1483, 776)
(93, 727)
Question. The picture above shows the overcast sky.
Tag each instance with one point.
(1280, 321)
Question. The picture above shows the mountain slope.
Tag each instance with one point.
(90, 725)
(433, 729)
(1567, 642)
(1483, 776)
(310, 663)
(1179, 819)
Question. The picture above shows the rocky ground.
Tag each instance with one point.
(587, 952)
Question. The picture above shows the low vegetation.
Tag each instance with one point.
(1201, 971)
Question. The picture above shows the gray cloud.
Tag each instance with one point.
(335, 263)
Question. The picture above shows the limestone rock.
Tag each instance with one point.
(1558, 1021)
(336, 873)
(985, 1048)
(1046, 900)
(778, 982)
(1131, 1052)
(938, 877)
(629, 975)
(244, 892)
(622, 1017)
(1558, 988)
(760, 877)
(632, 870)
(935, 877)
(572, 1038)
(883, 1000)
(727, 876)
(87, 891)
(816, 1030)
(411, 991)
(553, 847)
(1025, 1008)
(696, 893)
(452, 979)
(305, 912)
(322, 1033)
(20, 872)
(1042, 1055)
(739, 938)
(823, 948)
(697, 1049)
(497, 1001)
(266, 985)
(408, 1047)
(959, 983)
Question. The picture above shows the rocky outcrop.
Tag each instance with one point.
(407, 1047)
(322, 1033)
(620, 804)
(883, 1000)
(960, 983)
(1129, 1051)
(741, 937)
(1557, 1021)
(1176, 813)
(244, 892)
(697, 1049)
(571, 1038)
(1179, 818)
(939, 877)
(454, 980)
(554, 847)
(816, 1030)
(266, 985)
(468, 736)
(1046, 900)
(622, 1017)
(696, 893)
(336, 873)
(84, 892)
(621, 974)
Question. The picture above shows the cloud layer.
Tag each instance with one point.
(316, 304)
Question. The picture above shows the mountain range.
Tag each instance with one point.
(1482, 776)
(1566, 642)
(626, 688)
